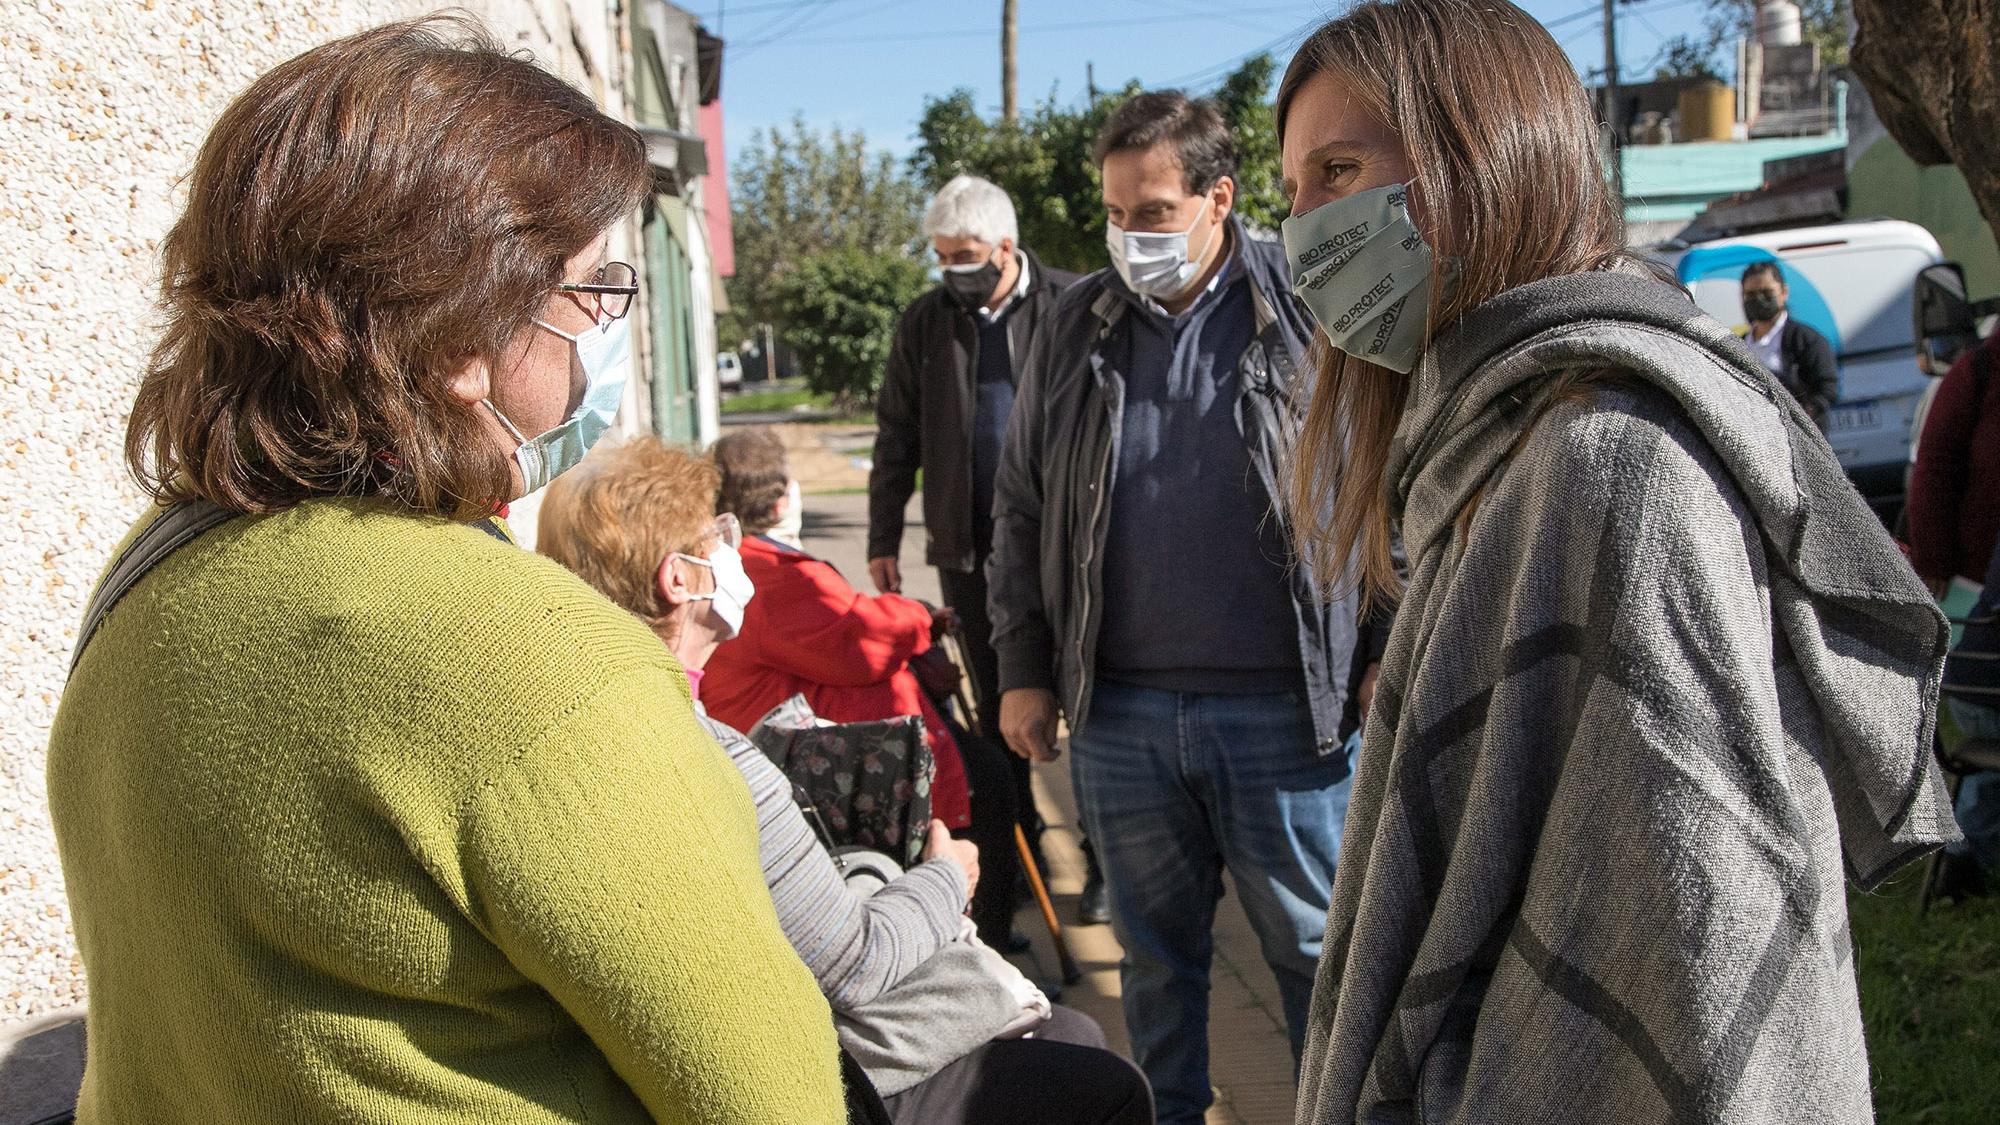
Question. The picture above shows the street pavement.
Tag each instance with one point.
(1250, 1062)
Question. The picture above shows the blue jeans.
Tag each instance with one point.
(1979, 794)
(1173, 787)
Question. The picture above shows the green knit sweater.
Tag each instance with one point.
(374, 818)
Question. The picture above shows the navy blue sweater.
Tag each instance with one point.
(1196, 596)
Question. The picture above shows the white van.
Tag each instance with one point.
(729, 370)
(1852, 282)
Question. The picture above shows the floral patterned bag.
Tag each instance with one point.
(870, 782)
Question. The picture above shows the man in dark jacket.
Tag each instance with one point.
(1797, 354)
(1144, 588)
(943, 410)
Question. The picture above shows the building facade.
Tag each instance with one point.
(106, 107)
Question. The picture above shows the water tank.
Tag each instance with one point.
(1778, 23)
(1707, 112)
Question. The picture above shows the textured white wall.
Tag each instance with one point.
(102, 106)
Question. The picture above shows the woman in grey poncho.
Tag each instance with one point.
(1659, 683)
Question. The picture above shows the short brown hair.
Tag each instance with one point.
(754, 477)
(1202, 142)
(1766, 268)
(613, 519)
(1502, 143)
(361, 222)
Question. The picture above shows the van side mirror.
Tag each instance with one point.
(1946, 322)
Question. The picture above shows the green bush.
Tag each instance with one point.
(838, 309)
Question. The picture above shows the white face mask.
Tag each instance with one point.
(1157, 263)
(791, 526)
(604, 351)
(733, 588)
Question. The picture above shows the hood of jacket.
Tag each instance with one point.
(1868, 638)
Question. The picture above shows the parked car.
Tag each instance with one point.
(729, 370)
(1853, 282)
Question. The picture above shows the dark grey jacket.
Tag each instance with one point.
(923, 416)
(1051, 505)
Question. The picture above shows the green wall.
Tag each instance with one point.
(1885, 183)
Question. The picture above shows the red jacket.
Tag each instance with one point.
(1954, 504)
(808, 632)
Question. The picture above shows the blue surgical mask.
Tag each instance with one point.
(1364, 273)
(604, 352)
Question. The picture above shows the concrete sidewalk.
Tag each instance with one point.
(1250, 1062)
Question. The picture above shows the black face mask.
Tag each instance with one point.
(1762, 306)
(972, 288)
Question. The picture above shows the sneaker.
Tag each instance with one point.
(1094, 908)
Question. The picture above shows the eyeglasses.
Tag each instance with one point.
(609, 291)
(725, 531)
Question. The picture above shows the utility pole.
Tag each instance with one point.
(1010, 33)
(1611, 97)
(770, 357)
(1090, 81)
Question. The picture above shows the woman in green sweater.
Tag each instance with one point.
(366, 814)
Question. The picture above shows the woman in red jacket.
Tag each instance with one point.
(808, 632)
(1954, 505)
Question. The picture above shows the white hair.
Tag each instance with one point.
(969, 207)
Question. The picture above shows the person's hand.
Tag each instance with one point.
(1938, 587)
(1028, 723)
(887, 574)
(944, 620)
(964, 852)
(1365, 694)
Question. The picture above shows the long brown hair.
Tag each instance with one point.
(1503, 145)
(361, 222)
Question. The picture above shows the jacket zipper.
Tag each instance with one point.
(1090, 558)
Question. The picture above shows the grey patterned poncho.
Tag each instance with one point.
(1659, 684)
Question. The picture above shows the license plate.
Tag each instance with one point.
(1859, 416)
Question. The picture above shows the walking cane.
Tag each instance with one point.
(1070, 973)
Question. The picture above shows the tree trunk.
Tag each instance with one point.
(1930, 66)
(1010, 34)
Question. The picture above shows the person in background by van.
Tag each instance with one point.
(1796, 353)
(1972, 695)
(1954, 505)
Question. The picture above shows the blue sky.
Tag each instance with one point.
(869, 64)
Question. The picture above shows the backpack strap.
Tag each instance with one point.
(182, 524)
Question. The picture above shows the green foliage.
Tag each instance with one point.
(837, 310)
(1687, 57)
(1244, 98)
(1047, 162)
(797, 193)
(1044, 163)
(1821, 21)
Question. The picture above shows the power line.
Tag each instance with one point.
(782, 25)
(777, 6)
(987, 32)
(1209, 73)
